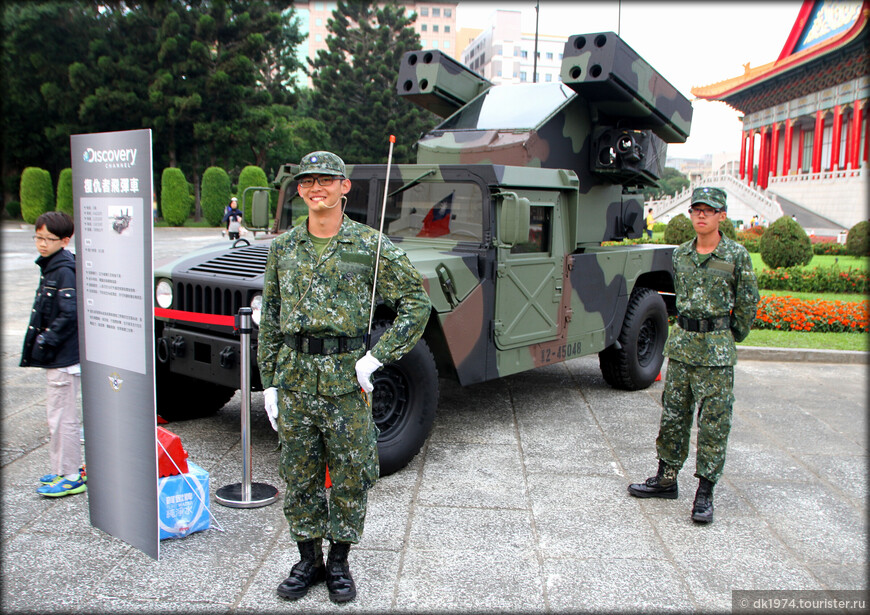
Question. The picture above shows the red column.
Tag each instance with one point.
(837, 132)
(866, 126)
(817, 141)
(750, 155)
(763, 149)
(801, 150)
(855, 149)
(786, 148)
(774, 148)
(742, 154)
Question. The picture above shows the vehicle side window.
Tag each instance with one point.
(540, 230)
(443, 210)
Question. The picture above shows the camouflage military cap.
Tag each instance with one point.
(714, 197)
(322, 163)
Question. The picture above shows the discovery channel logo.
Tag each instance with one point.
(112, 158)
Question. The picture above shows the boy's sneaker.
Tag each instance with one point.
(61, 487)
(50, 478)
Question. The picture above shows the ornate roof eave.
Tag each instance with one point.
(757, 76)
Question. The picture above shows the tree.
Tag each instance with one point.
(36, 194)
(858, 239)
(355, 83)
(39, 40)
(671, 182)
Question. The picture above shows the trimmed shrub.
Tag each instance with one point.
(215, 194)
(37, 196)
(858, 239)
(679, 230)
(174, 197)
(727, 228)
(785, 244)
(250, 176)
(64, 192)
(13, 208)
(659, 227)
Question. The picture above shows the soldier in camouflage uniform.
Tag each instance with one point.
(717, 295)
(313, 361)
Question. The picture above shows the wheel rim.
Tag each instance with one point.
(389, 401)
(647, 339)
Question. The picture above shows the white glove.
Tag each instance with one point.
(365, 367)
(271, 396)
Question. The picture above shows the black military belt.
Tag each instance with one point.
(323, 345)
(704, 325)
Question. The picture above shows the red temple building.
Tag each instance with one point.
(804, 144)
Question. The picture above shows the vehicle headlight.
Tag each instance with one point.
(256, 308)
(163, 293)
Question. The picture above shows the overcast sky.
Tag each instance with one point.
(689, 43)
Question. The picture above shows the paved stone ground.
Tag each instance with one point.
(517, 503)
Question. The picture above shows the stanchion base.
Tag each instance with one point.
(261, 495)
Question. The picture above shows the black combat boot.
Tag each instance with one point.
(338, 580)
(702, 509)
(662, 485)
(308, 571)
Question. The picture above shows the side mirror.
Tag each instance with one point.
(260, 209)
(515, 219)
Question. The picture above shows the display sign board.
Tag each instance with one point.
(112, 195)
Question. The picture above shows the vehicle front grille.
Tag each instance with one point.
(219, 293)
(241, 263)
(207, 299)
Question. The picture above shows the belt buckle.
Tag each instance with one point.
(315, 345)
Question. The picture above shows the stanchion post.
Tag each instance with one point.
(246, 494)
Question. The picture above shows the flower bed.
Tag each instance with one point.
(785, 313)
(818, 279)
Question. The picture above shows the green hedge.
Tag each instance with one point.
(175, 198)
(13, 209)
(37, 196)
(816, 279)
(215, 194)
(830, 248)
(64, 192)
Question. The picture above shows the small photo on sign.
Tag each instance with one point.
(121, 217)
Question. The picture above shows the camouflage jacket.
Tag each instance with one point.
(721, 283)
(331, 298)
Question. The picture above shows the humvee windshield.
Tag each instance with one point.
(523, 106)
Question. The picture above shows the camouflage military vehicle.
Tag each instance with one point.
(504, 215)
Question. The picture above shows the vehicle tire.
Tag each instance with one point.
(636, 361)
(403, 403)
(180, 398)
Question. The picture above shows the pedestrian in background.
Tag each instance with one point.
(716, 297)
(52, 342)
(313, 362)
(233, 218)
(650, 223)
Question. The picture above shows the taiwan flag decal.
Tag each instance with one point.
(437, 221)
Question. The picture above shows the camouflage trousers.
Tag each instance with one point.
(710, 389)
(316, 431)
